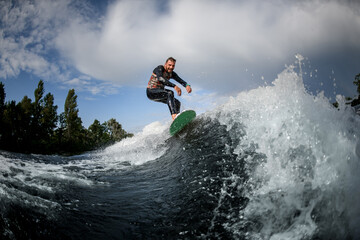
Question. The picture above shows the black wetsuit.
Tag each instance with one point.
(156, 88)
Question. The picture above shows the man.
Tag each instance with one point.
(156, 87)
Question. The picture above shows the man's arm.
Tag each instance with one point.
(159, 74)
(179, 79)
(182, 82)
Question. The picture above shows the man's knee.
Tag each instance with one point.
(170, 93)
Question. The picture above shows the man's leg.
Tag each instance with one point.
(177, 104)
(173, 103)
(165, 96)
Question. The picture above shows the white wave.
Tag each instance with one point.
(309, 176)
(32, 183)
(145, 146)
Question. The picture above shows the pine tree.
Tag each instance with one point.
(11, 127)
(2, 99)
(357, 83)
(2, 108)
(36, 129)
(116, 131)
(73, 124)
(31, 126)
(25, 115)
(48, 122)
(356, 101)
(98, 134)
(49, 115)
(38, 93)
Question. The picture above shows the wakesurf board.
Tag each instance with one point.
(181, 120)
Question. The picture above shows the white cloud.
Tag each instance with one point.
(86, 83)
(218, 38)
(77, 82)
(212, 40)
(28, 34)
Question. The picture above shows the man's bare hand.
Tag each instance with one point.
(178, 90)
(188, 88)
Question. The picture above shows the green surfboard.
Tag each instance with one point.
(181, 121)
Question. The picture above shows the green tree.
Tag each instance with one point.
(356, 101)
(25, 108)
(48, 122)
(35, 126)
(2, 98)
(73, 133)
(357, 83)
(115, 129)
(37, 132)
(49, 115)
(26, 105)
(12, 127)
(71, 112)
(352, 101)
(59, 132)
(38, 103)
(98, 134)
(2, 108)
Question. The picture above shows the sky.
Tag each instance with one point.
(106, 50)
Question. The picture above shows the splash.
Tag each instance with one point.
(306, 184)
(272, 163)
(31, 182)
(145, 146)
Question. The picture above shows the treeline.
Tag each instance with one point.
(356, 101)
(352, 101)
(35, 127)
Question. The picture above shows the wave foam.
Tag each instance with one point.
(306, 184)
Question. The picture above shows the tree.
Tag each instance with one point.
(11, 125)
(357, 83)
(115, 129)
(73, 125)
(2, 98)
(38, 103)
(356, 101)
(48, 122)
(106, 133)
(2, 108)
(25, 115)
(72, 119)
(98, 134)
(352, 101)
(36, 129)
(59, 132)
(49, 115)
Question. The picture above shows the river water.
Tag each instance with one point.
(272, 163)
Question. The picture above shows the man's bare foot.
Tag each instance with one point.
(173, 116)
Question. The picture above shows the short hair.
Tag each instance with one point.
(171, 59)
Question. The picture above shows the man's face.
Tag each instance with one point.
(169, 66)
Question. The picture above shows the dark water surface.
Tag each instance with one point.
(272, 163)
(179, 195)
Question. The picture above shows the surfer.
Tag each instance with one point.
(159, 79)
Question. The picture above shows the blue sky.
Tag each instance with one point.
(106, 50)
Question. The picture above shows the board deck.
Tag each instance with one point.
(181, 121)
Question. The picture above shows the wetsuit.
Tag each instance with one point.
(156, 88)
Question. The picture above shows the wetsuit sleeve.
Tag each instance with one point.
(158, 71)
(178, 79)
